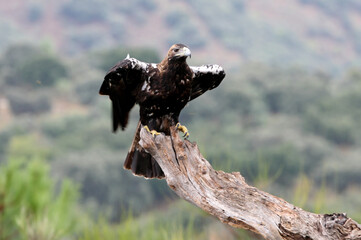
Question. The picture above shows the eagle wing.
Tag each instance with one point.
(121, 83)
(205, 78)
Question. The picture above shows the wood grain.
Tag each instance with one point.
(228, 197)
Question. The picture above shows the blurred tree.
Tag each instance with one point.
(40, 70)
(30, 66)
(22, 101)
(329, 119)
(18, 53)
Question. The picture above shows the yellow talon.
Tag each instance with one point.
(183, 129)
(153, 132)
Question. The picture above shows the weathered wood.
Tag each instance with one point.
(228, 197)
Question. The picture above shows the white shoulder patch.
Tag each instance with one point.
(136, 64)
(209, 68)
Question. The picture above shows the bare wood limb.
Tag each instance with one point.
(228, 197)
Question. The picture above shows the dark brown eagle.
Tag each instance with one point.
(162, 90)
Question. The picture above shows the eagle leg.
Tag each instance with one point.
(153, 132)
(183, 129)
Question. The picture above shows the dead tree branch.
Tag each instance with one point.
(228, 197)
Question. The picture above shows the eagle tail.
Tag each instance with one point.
(140, 162)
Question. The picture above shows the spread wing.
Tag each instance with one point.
(121, 83)
(205, 78)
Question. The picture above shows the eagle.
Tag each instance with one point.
(161, 90)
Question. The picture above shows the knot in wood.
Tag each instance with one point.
(336, 218)
(203, 169)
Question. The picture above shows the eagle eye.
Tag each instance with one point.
(176, 50)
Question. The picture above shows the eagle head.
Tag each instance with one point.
(178, 51)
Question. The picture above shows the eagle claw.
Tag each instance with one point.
(153, 132)
(183, 129)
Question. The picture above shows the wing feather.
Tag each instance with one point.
(206, 77)
(121, 83)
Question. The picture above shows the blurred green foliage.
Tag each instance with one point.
(149, 229)
(30, 208)
(24, 102)
(27, 72)
(41, 70)
(29, 66)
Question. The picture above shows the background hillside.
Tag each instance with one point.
(308, 33)
(287, 116)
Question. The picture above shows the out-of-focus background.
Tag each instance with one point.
(287, 116)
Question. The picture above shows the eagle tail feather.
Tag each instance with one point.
(140, 162)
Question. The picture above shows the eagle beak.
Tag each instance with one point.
(186, 52)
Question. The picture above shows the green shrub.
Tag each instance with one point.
(337, 128)
(40, 70)
(16, 54)
(279, 164)
(22, 101)
(30, 209)
(174, 223)
(29, 66)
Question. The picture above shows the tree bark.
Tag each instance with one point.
(228, 197)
